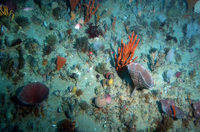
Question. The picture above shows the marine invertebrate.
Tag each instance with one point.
(69, 31)
(193, 29)
(44, 62)
(51, 39)
(108, 98)
(73, 4)
(110, 82)
(32, 45)
(126, 53)
(66, 126)
(113, 24)
(196, 107)
(57, 12)
(73, 15)
(168, 106)
(191, 3)
(192, 73)
(174, 110)
(91, 10)
(109, 75)
(170, 55)
(60, 62)
(101, 68)
(74, 89)
(178, 74)
(100, 101)
(22, 21)
(79, 92)
(165, 124)
(156, 61)
(33, 93)
(4, 11)
(82, 44)
(94, 31)
(140, 76)
(47, 50)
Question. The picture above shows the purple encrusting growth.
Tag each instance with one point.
(167, 108)
(170, 55)
(196, 107)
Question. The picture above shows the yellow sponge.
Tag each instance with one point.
(74, 89)
(110, 82)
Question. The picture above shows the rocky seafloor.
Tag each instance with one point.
(41, 31)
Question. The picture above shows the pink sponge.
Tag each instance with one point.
(33, 93)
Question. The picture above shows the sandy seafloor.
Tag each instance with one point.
(141, 111)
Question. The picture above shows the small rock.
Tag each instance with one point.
(54, 5)
(56, 93)
(9, 115)
(60, 109)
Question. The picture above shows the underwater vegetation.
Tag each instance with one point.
(22, 21)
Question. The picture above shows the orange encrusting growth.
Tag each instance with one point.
(174, 110)
(60, 62)
(126, 53)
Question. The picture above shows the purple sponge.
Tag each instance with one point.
(33, 93)
(167, 107)
(196, 107)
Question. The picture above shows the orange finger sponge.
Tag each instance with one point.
(60, 62)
